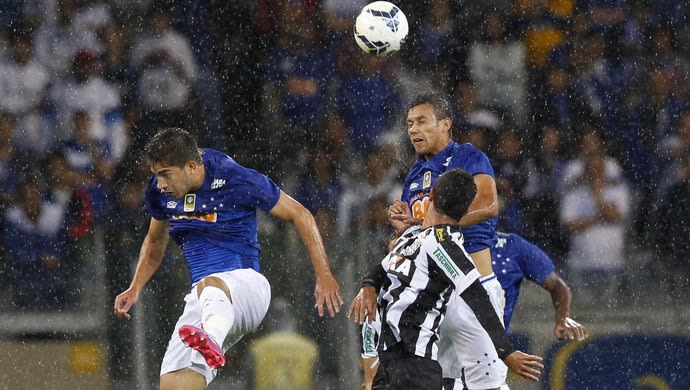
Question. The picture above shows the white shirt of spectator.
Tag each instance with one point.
(600, 246)
(163, 88)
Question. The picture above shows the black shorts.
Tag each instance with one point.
(406, 371)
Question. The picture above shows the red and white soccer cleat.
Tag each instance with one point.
(197, 338)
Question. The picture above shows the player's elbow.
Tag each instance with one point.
(492, 210)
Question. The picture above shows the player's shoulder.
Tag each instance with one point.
(444, 235)
(466, 148)
(510, 240)
(222, 165)
(152, 188)
(216, 158)
(508, 236)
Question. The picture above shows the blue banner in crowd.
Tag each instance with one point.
(649, 362)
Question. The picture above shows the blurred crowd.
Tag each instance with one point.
(583, 107)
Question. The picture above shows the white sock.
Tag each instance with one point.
(217, 314)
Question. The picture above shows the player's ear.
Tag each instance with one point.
(446, 124)
(432, 194)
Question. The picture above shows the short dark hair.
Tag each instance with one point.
(454, 192)
(439, 102)
(172, 146)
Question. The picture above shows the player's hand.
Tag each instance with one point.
(525, 365)
(570, 329)
(124, 302)
(399, 216)
(327, 293)
(363, 306)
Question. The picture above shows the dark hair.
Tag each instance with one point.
(440, 104)
(454, 191)
(172, 146)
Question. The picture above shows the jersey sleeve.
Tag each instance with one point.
(253, 189)
(534, 262)
(472, 160)
(153, 201)
(478, 300)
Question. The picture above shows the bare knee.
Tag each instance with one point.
(212, 281)
(184, 379)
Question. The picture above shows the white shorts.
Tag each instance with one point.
(251, 296)
(465, 350)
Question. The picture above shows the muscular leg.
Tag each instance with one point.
(184, 379)
(217, 317)
(217, 313)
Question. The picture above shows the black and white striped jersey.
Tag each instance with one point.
(425, 267)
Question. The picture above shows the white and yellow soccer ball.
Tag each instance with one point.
(380, 28)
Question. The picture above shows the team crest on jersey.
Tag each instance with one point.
(189, 202)
(440, 233)
(171, 204)
(427, 180)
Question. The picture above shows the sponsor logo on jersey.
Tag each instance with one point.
(205, 217)
(189, 202)
(427, 180)
(369, 346)
(171, 204)
(501, 242)
(217, 183)
(413, 186)
(411, 249)
(445, 262)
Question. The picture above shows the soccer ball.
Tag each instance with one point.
(380, 28)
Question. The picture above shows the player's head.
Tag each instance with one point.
(175, 159)
(453, 192)
(172, 147)
(429, 123)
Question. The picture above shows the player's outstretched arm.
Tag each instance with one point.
(525, 365)
(565, 328)
(150, 257)
(485, 203)
(327, 291)
(364, 305)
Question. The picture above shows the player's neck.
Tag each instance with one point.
(442, 146)
(435, 218)
(199, 176)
